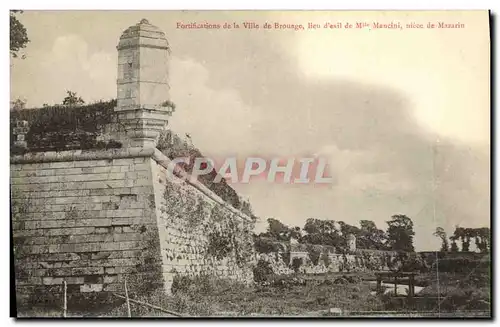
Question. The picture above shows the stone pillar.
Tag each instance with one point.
(20, 132)
(351, 243)
(143, 90)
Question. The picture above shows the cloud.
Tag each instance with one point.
(350, 169)
(437, 80)
(217, 119)
(67, 66)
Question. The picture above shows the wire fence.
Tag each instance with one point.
(407, 312)
(125, 297)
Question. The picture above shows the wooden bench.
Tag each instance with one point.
(397, 276)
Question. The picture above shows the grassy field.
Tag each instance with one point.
(292, 296)
(324, 295)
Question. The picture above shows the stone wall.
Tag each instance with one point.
(285, 259)
(199, 232)
(83, 221)
(96, 218)
(318, 259)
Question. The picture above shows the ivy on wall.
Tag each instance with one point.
(148, 276)
(219, 244)
(218, 230)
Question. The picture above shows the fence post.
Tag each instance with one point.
(65, 305)
(395, 285)
(411, 285)
(128, 302)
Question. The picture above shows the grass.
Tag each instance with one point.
(210, 297)
(311, 295)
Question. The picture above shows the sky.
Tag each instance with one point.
(402, 116)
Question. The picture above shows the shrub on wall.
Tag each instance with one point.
(219, 245)
(149, 274)
(297, 263)
(262, 271)
(58, 128)
(227, 236)
(243, 243)
(196, 216)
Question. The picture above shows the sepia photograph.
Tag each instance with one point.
(250, 164)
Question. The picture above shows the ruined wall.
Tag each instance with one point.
(284, 258)
(319, 259)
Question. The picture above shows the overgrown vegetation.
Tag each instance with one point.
(173, 147)
(456, 292)
(215, 229)
(262, 271)
(297, 263)
(219, 245)
(480, 236)
(58, 128)
(314, 253)
(267, 245)
(293, 295)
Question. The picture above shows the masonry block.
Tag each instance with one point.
(86, 288)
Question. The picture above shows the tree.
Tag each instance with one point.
(324, 232)
(18, 34)
(72, 100)
(454, 246)
(459, 234)
(276, 229)
(18, 104)
(315, 226)
(468, 235)
(400, 233)
(347, 229)
(483, 237)
(296, 233)
(442, 235)
(370, 237)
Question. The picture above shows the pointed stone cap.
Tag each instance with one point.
(143, 34)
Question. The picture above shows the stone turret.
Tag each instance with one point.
(143, 89)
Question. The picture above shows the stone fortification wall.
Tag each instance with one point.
(81, 217)
(96, 218)
(199, 232)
